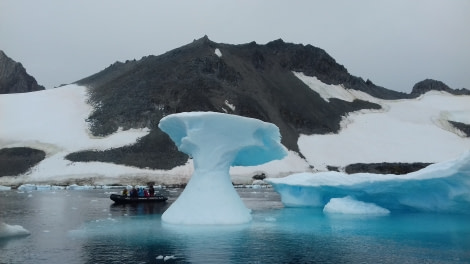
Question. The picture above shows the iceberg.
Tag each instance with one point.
(440, 187)
(5, 188)
(8, 231)
(217, 141)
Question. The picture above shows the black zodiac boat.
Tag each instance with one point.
(126, 199)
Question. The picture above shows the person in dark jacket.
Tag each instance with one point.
(133, 192)
(151, 191)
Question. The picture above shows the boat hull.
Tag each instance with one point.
(126, 199)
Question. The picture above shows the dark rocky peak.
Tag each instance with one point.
(204, 40)
(14, 78)
(314, 61)
(427, 85)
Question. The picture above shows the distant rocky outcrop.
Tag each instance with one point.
(14, 78)
(427, 85)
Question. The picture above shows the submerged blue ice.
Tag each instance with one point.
(441, 187)
(217, 141)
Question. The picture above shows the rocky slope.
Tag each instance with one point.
(249, 80)
(14, 161)
(14, 78)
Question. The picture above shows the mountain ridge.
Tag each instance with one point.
(14, 78)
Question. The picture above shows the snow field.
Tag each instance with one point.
(414, 130)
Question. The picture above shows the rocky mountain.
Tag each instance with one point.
(14, 78)
(250, 80)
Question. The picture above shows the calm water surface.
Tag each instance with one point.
(86, 227)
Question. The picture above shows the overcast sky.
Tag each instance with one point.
(393, 43)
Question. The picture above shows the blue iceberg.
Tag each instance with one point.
(217, 141)
(441, 187)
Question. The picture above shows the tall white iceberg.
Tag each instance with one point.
(217, 141)
(441, 187)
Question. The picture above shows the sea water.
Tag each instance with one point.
(84, 226)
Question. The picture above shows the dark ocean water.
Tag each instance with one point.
(86, 227)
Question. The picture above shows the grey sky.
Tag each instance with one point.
(393, 43)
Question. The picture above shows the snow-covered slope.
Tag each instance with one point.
(415, 130)
(55, 121)
(408, 130)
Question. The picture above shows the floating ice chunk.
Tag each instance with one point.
(43, 187)
(27, 187)
(441, 187)
(168, 258)
(5, 188)
(348, 205)
(114, 187)
(217, 141)
(80, 187)
(218, 53)
(12, 231)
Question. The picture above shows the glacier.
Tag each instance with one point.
(216, 141)
(440, 187)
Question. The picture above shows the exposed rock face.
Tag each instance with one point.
(465, 128)
(14, 78)
(433, 85)
(14, 161)
(385, 168)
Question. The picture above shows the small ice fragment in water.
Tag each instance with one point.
(12, 230)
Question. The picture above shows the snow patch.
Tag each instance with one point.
(231, 106)
(414, 130)
(328, 91)
(218, 53)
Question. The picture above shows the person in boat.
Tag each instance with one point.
(133, 192)
(146, 193)
(141, 192)
(124, 192)
(151, 191)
